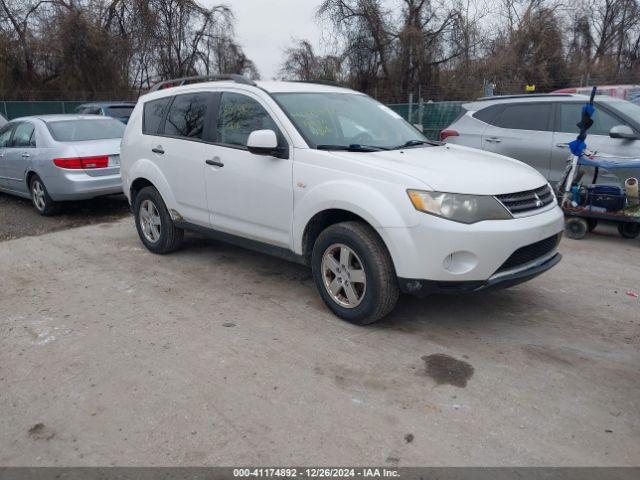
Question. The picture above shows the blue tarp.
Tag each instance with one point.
(609, 163)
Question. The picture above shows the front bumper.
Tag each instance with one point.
(423, 288)
(443, 251)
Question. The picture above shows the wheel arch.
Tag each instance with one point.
(145, 173)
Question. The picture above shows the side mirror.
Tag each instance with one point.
(265, 142)
(622, 131)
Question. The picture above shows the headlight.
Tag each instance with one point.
(458, 207)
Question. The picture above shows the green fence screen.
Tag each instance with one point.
(11, 110)
(434, 116)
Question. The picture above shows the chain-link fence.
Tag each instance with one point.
(433, 116)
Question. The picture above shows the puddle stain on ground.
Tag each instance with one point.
(41, 432)
(446, 370)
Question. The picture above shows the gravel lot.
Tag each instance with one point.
(219, 356)
(18, 217)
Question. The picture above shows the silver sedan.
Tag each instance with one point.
(55, 158)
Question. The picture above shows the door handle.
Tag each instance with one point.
(158, 150)
(493, 140)
(25, 155)
(214, 163)
(562, 145)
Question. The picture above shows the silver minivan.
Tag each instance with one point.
(536, 129)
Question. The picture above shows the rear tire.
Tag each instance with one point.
(576, 228)
(155, 226)
(629, 230)
(43, 203)
(354, 273)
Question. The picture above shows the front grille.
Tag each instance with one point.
(530, 253)
(529, 201)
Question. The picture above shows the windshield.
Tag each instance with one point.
(82, 130)
(346, 119)
(629, 109)
(120, 111)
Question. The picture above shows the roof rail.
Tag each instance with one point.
(525, 95)
(178, 82)
(329, 83)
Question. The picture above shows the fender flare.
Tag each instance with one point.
(148, 170)
(379, 212)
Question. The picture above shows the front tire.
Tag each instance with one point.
(576, 228)
(45, 206)
(155, 226)
(354, 273)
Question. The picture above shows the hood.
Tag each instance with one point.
(456, 169)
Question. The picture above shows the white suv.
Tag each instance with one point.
(333, 179)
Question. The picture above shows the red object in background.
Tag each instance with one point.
(444, 134)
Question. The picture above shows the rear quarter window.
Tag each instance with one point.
(489, 114)
(154, 112)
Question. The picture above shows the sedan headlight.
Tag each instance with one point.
(458, 207)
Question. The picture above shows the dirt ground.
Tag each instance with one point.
(110, 355)
(18, 217)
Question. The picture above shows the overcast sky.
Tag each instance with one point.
(264, 28)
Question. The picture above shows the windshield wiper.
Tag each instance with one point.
(416, 143)
(351, 148)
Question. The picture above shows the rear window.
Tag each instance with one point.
(83, 130)
(120, 111)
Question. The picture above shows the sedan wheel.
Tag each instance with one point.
(150, 221)
(38, 195)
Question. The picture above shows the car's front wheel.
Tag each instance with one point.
(354, 273)
(41, 199)
(155, 226)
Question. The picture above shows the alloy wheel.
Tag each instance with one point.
(150, 221)
(38, 195)
(343, 275)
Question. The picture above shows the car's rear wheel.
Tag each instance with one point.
(45, 206)
(155, 226)
(354, 273)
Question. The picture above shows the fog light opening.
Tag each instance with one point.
(460, 263)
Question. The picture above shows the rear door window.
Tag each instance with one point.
(570, 114)
(531, 116)
(187, 115)
(153, 116)
(24, 136)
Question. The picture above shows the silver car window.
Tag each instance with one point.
(569, 115)
(5, 135)
(24, 136)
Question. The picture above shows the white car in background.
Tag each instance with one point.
(335, 180)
